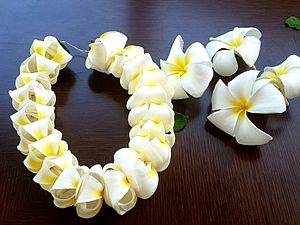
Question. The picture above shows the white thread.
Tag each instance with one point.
(73, 46)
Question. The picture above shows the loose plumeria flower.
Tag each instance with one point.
(189, 72)
(103, 50)
(244, 42)
(287, 74)
(51, 49)
(231, 104)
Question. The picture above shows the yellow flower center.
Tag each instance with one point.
(241, 106)
(181, 65)
(235, 43)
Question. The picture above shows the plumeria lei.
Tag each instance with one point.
(134, 170)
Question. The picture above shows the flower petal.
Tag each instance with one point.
(249, 50)
(175, 82)
(224, 63)
(221, 97)
(291, 84)
(196, 53)
(242, 85)
(197, 79)
(267, 99)
(176, 50)
(248, 134)
(225, 119)
(214, 46)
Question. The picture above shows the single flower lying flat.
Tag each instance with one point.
(243, 42)
(231, 104)
(189, 72)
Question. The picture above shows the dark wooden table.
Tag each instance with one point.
(211, 179)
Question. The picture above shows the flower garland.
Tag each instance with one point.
(134, 170)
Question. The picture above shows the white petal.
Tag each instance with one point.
(249, 50)
(225, 120)
(291, 84)
(248, 134)
(175, 82)
(267, 99)
(47, 146)
(38, 129)
(224, 63)
(90, 189)
(221, 97)
(176, 49)
(197, 79)
(196, 53)
(68, 179)
(248, 31)
(214, 46)
(242, 85)
(89, 209)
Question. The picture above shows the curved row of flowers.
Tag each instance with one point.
(134, 170)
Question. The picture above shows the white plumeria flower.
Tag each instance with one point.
(150, 111)
(288, 73)
(244, 42)
(153, 129)
(133, 69)
(38, 64)
(232, 103)
(32, 91)
(30, 112)
(25, 78)
(51, 49)
(142, 177)
(32, 132)
(89, 195)
(189, 72)
(118, 192)
(125, 55)
(64, 188)
(52, 167)
(103, 50)
(152, 150)
(51, 145)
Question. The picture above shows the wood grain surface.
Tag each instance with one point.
(211, 179)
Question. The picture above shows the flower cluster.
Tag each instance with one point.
(248, 92)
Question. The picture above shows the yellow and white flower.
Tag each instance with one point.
(51, 49)
(89, 195)
(32, 132)
(128, 53)
(133, 69)
(51, 145)
(30, 112)
(232, 103)
(40, 77)
(128, 178)
(153, 130)
(103, 50)
(189, 72)
(52, 167)
(287, 74)
(118, 193)
(33, 91)
(244, 42)
(160, 113)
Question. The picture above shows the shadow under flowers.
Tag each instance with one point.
(108, 85)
